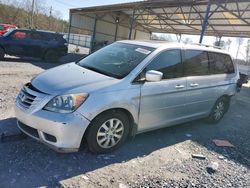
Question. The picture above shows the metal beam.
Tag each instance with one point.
(204, 26)
(131, 25)
(93, 34)
(70, 21)
(116, 27)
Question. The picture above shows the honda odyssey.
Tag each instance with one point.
(123, 89)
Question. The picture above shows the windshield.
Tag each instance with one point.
(1, 27)
(116, 60)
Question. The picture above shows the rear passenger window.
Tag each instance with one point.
(220, 63)
(36, 36)
(169, 63)
(196, 63)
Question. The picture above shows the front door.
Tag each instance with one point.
(163, 103)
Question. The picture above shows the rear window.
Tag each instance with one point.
(220, 63)
(195, 63)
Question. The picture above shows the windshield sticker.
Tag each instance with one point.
(144, 51)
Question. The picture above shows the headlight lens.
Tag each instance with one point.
(65, 103)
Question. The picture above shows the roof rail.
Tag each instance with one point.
(206, 45)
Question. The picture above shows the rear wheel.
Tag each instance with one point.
(107, 132)
(51, 56)
(219, 109)
(1, 54)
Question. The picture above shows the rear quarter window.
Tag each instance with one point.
(220, 63)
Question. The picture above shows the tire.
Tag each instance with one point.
(51, 56)
(100, 137)
(1, 54)
(219, 109)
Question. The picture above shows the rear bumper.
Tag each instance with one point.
(61, 132)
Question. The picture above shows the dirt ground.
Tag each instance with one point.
(159, 158)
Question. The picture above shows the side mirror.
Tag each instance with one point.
(153, 76)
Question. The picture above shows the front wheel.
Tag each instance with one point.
(219, 109)
(51, 56)
(107, 132)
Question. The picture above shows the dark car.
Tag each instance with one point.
(49, 46)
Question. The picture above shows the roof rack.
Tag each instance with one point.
(206, 45)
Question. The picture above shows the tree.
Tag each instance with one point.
(228, 44)
(17, 12)
(187, 40)
(239, 41)
(248, 52)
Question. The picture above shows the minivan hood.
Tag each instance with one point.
(70, 78)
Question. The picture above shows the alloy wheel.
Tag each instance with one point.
(110, 133)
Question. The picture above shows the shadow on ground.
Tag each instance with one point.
(27, 162)
(70, 57)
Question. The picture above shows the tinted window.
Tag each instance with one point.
(220, 63)
(20, 35)
(36, 36)
(116, 60)
(196, 63)
(1, 27)
(169, 63)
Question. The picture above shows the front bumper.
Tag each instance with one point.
(61, 132)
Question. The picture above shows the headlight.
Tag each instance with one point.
(66, 103)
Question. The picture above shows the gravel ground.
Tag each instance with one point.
(159, 158)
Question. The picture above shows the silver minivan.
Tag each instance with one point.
(124, 89)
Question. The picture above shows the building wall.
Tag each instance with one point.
(106, 28)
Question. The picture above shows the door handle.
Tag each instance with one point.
(179, 86)
(194, 85)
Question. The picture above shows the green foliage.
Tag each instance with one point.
(21, 17)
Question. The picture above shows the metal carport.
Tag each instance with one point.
(138, 20)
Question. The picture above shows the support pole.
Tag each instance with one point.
(50, 15)
(69, 31)
(131, 25)
(205, 21)
(116, 27)
(93, 35)
(219, 41)
(32, 14)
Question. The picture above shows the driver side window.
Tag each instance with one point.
(169, 63)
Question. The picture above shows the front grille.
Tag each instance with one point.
(28, 96)
(25, 99)
(28, 129)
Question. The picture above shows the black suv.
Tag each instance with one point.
(49, 46)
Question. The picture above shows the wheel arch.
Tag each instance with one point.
(132, 123)
(224, 96)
